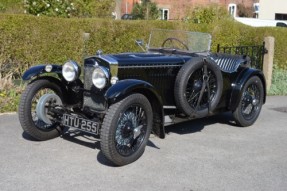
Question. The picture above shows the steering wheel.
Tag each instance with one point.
(174, 39)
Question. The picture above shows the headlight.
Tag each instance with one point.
(100, 77)
(71, 71)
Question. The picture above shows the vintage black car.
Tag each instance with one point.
(124, 97)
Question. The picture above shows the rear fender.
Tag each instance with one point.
(40, 69)
(127, 87)
(238, 85)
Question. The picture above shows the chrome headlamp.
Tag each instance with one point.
(100, 77)
(71, 71)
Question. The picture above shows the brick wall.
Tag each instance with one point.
(177, 8)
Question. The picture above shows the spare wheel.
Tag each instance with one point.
(198, 87)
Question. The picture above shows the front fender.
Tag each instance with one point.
(127, 87)
(40, 69)
(124, 88)
(238, 85)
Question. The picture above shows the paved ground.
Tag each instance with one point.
(208, 154)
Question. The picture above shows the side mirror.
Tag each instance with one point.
(140, 43)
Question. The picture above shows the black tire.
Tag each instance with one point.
(118, 143)
(251, 102)
(27, 111)
(189, 84)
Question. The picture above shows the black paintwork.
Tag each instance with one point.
(156, 73)
(151, 74)
(40, 69)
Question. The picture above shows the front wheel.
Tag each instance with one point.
(126, 129)
(36, 103)
(251, 102)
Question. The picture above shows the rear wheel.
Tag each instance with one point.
(251, 102)
(35, 106)
(126, 129)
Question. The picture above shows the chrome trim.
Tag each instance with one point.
(76, 68)
(151, 66)
(114, 65)
(114, 80)
(106, 73)
(169, 107)
(48, 68)
(108, 59)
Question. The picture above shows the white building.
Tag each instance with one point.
(273, 9)
(267, 14)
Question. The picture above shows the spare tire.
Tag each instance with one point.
(192, 87)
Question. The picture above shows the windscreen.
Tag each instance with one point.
(180, 40)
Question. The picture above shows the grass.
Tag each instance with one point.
(9, 94)
(279, 82)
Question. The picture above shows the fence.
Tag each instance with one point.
(256, 53)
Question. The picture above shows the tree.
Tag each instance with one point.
(206, 14)
(244, 11)
(70, 8)
(92, 8)
(58, 8)
(145, 10)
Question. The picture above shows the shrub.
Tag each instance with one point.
(70, 8)
(27, 40)
(244, 11)
(92, 8)
(146, 10)
(206, 14)
(9, 94)
(279, 79)
(11, 6)
(60, 8)
(2, 8)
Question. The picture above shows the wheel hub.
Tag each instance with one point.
(197, 85)
(255, 102)
(137, 131)
(127, 130)
(45, 101)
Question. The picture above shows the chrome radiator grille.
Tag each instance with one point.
(93, 98)
(88, 72)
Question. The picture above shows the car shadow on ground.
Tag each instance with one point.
(187, 127)
(27, 137)
(196, 125)
(83, 139)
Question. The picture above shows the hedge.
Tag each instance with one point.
(29, 40)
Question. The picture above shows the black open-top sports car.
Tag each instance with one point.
(124, 97)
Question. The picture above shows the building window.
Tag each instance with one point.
(164, 14)
(256, 8)
(232, 9)
(280, 16)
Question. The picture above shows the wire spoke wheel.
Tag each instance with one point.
(126, 129)
(251, 102)
(35, 115)
(48, 105)
(194, 87)
(131, 130)
(198, 87)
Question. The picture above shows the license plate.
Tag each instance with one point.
(80, 123)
